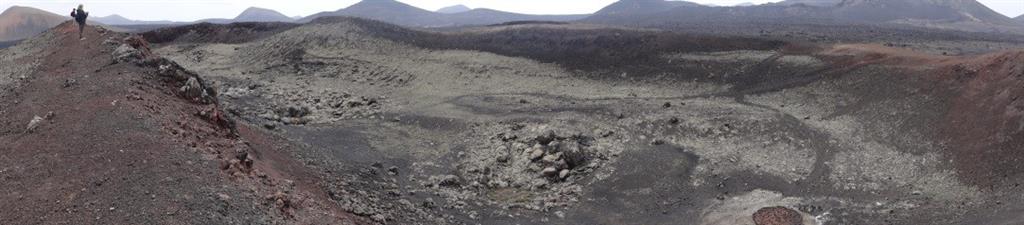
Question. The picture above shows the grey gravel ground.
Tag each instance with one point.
(407, 135)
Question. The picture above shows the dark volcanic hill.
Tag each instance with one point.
(625, 10)
(667, 13)
(967, 15)
(252, 14)
(454, 9)
(386, 10)
(919, 10)
(114, 19)
(490, 16)
(820, 3)
(399, 13)
(22, 22)
(255, 14)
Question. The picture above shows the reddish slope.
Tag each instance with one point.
(983, 125)
(986, 123)
(18, 22)
(123, 147)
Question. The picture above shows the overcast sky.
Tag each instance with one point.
(190, 10)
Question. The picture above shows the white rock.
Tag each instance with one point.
(34, 123)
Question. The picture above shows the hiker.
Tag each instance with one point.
(79, 15)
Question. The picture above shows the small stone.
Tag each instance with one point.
(502, 159)
(379, 217)
(70, 82)
(536, 153)
(552, 158)
(549, 172)
(429, 203)
(547, 138)
(393, 170)
(667, 105)
(223, 197)
(563, 174)
(447, 181)
(34, 123)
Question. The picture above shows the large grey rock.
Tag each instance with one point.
(193, 89)
(126, 53)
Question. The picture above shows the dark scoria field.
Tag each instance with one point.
(346, 120)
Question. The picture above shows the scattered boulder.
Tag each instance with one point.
(563, 174)
(293, 115)
(446, 180)
(777, 215)
(549, 172)
(193, 90)
(125, 53)
(294, 111)
(133, 49)
(552, 158)
(34, 123)
(546, 139)
(393, 171)
(536, 154)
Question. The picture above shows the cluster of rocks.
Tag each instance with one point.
(548, 162)
(303, 108)
(130, 49)
(373, 192)
(135, 49)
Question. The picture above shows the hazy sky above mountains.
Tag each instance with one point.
(190, 10)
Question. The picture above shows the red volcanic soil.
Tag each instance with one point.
(122, 147)
(983, 125)
(986, 121)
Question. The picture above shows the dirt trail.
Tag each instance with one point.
(115, 143)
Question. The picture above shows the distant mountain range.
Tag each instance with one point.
(967, 15)
(21, 22)
(252, 14)
(120, 20)
(819, 3)
(18, 22)
(396, 12)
